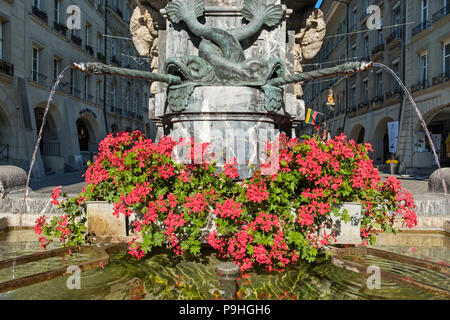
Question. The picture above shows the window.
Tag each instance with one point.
(144, 104)
(99, 43)
(86, 88)
(447, 59)
(113, 48)
(87, 34)
(354, 55)
(396, 69)
(127, 100)
(56, 68)
(113, 95)
(353, 97)
(379, 84)
(380, 36)
(366, 46)
(365, 91)
(128, 63)
(424, 68)
(57, 16)
(37, 3)
(136, 103)
(36, 63)
(1, 40)
(397, 21)
(98, 86)
(354, 19)
(72, 82)
(424, 11)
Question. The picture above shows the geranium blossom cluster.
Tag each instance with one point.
(285, 213)
(274, 219)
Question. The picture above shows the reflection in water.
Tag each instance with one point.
(162, 276)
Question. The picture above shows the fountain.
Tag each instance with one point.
(229, 75)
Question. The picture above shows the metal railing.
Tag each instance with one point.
(75, 92)
(4, 152)
(378, 48)
(89, 98)
(421, 27)
(395, 35)
(61, 86)
(396, 92)
(40, 14)
(99, 101)
(420, 86)
(38, 77)
(89, 49)
(6, 68)
(115, 60)
(443, 77)
(441, 13)
(60, 28)
(378, 98)
(78, 41)
(116, 110)
(51, 149)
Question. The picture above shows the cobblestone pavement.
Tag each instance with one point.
(416, 185)
(72, 183)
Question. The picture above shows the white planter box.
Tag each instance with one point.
(101, 221)
(348, 232)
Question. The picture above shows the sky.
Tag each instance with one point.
(318, 3)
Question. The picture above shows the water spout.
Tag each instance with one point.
(36, 148)
(422, 121)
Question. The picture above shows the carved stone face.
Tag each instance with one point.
(312, 35)
(144, 31)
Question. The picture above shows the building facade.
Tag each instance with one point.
(427, 77)
(36, 44)
(410, 38)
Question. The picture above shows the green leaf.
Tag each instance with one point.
(346, 216)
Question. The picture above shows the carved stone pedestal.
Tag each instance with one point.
(232, 119)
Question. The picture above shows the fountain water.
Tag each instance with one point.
(422, 121)
(191, 82)
(38, 142)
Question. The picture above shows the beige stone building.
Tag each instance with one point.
(427, 76)
(35, 46)
(412, 42)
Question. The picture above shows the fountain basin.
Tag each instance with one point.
(162, 276)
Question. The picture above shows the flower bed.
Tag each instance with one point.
(276, 218)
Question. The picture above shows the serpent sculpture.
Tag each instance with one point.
(221, 60)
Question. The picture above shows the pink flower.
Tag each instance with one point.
(196, 204)
(257, 193)
(229, 209)
(55, 195)
(230, 169)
